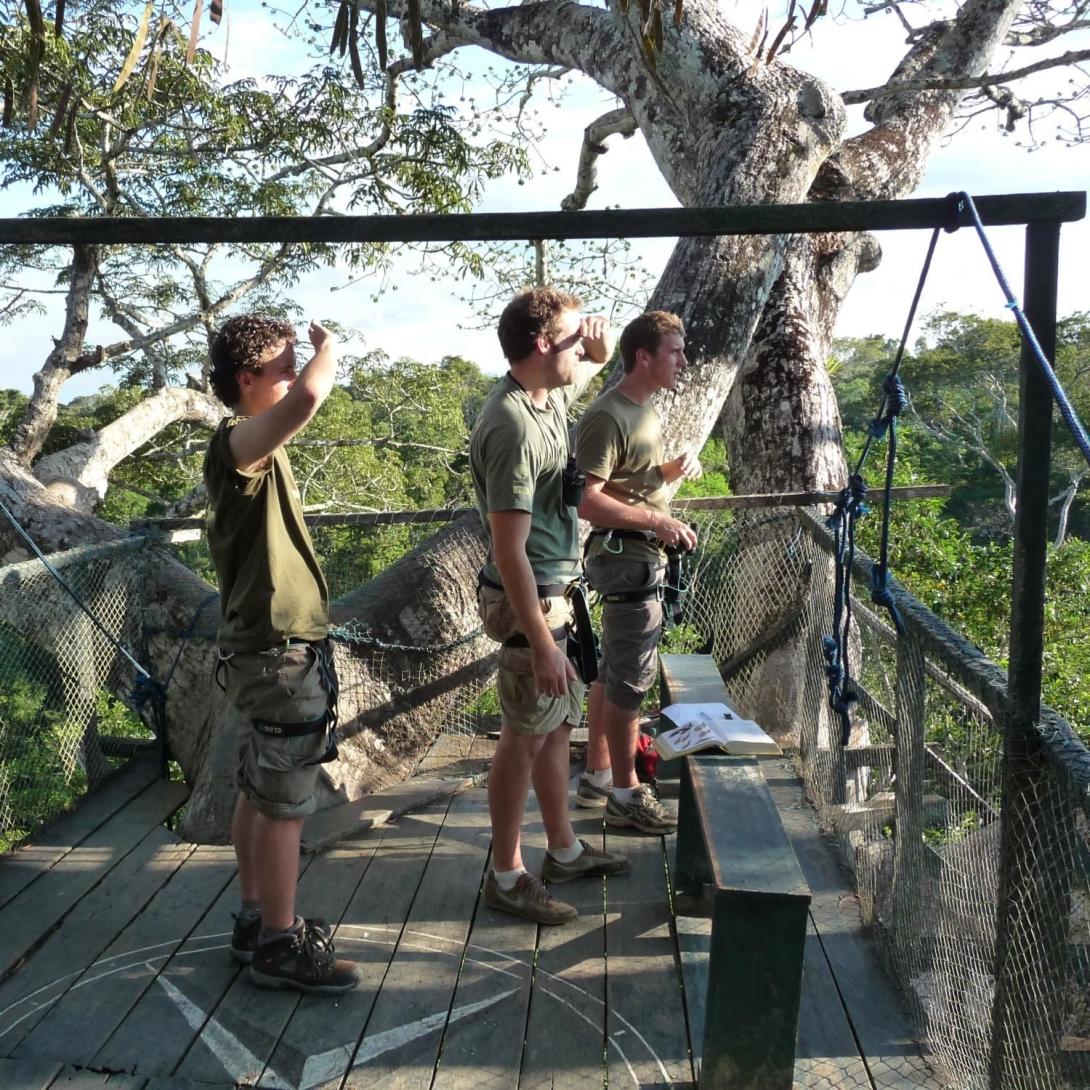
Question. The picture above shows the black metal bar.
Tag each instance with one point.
(1030, 955)
(769, 219)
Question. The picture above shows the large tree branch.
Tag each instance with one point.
(80, 473)
(594, 137)
(65, 359)
(964, 83)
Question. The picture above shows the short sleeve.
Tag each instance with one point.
(597, 444)
(510, 472)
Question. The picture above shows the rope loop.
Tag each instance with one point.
(881, 595)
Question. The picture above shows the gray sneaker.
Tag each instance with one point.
(643, 812)
(529, 899)
(591, 863)
(589, 795)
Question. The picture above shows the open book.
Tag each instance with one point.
(709, 726)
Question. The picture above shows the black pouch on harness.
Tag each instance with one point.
(676, 586)
(582, 644)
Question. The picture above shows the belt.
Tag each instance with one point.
(519, 640)
(544, 590)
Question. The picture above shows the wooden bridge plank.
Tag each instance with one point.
(880, 1022)
(95, 922)
(72, 1078)
(84, 1018)
(257, 1017)
(186, 988)
(32, 913)
(484, 1052)
(404, 1032)
(326, 1033)
(569, 983)
(645, 1023)
(19, 868)
(28, 1074)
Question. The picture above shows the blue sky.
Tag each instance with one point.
(423, 320)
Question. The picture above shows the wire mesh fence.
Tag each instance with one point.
(60, 713)
(971, 861)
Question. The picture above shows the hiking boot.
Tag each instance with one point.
(643, 812)
(529, 899)
(591, 863)
(589, 795)
(302, 960)
(244, 936)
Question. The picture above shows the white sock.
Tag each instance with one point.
(567, 855)
(624, 794)
(506, 879)
(602, 778)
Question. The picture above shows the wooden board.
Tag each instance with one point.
(320, 1041)
(254, 1017)
(327, 827)
(878, 1018)
(28, 1074)
(78, 1079)
(403, 1036)
(174, 1008)
(568, 1002)
(691, 679)
(18, 869)
(91, 926)
(78, 1025)
(646, 1036)
(32, 913)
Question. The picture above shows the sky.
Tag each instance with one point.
(428, 321)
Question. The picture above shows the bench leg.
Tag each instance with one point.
(754, 978)
(692, 870)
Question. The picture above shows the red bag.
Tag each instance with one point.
(647, 759)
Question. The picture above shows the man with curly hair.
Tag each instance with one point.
(518, 453)
(274, 652)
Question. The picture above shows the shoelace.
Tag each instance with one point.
(533, 889)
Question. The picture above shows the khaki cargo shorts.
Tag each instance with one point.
(523, 710)
(290, 685)
(630, 630)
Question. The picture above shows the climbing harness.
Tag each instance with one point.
(672, 591)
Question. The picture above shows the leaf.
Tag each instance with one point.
(679, 7)
(340, 30)
(380, 32)
(354, 46)
(61, 111)
(137, 48)
(757, 41)
(70, 128)
(624, 7)
(153, 65)
(416, 33)
(194, 31)
(656, 27)
(649, 52)
(9, 102)
(645, 15)
(215, 11)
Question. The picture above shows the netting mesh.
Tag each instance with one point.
(972, 865)
(59, 680)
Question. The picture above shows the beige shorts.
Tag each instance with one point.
(523, 710)
(630, 630)
(278, 774)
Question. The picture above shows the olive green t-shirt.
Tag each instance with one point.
(621, 442)
(271, 586)
(517, 454)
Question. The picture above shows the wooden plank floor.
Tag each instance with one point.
(114, 935)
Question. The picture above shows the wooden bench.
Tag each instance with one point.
(734, 857)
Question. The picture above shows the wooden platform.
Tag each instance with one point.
(113, 950)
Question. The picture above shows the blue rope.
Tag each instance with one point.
(1067, 410)
(851, 505)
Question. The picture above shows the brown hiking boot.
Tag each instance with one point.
(529, 899)
(644, 812)
(302, 960)
(244, 936)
